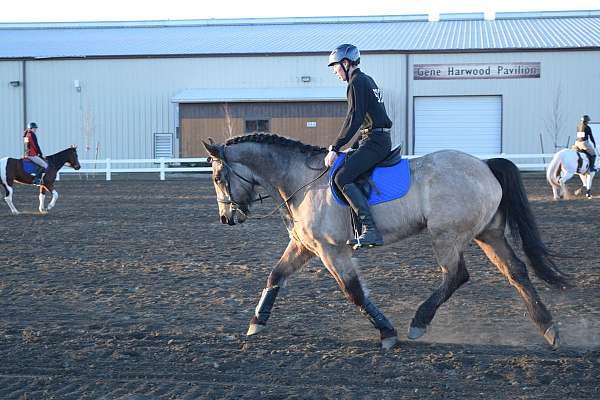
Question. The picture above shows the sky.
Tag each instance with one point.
(124, 10)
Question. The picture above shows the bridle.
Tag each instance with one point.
(243, 207)
(227, 169)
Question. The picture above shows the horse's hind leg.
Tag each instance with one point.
(493, 242)
(449, 254)
(295, 257)
(563, 184)
(8, 199)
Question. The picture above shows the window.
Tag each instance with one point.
(257, 125)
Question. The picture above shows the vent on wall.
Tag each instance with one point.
(163, 145)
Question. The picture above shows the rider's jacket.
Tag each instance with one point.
(587, 134)
(32, 148)
(365, 108)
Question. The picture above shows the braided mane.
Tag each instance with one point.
(271, 138)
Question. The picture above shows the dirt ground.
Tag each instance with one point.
(132, 289)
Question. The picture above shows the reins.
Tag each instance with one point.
(285, 201)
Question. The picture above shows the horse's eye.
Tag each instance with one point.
(217, 180)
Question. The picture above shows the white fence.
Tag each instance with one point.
(162, 166)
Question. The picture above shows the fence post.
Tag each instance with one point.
(108, 174)
(162, 168)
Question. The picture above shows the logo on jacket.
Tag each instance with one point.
(379, 95)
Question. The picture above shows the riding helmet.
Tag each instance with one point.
(344, 52)
(586, 118)
(32, 125)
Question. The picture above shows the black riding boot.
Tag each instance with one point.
(37, 179)
(370, 236)
(592, 163)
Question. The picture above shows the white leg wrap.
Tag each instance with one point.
(41, 208)
(53, 201)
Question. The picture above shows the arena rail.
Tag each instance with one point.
(162, 166)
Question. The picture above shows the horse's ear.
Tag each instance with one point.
(74, 146)
(211, 141)
(212, 149)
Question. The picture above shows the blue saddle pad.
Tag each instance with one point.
(391, 182)
(29, 166)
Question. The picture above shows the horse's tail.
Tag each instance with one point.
(553, 170)
(515, 207)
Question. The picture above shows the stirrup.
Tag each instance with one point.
(361, 241)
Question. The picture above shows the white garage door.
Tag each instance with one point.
(472, 124)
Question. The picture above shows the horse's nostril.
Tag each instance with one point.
(223, 219)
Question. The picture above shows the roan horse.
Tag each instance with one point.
(562, 168)
(11, 170)
(457, 198)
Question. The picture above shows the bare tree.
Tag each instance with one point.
(228, 123)
(554, 122)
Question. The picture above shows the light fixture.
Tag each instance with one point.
(15, 83)
(305, 78)
(77, 85)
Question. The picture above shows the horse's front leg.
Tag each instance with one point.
(53, 201)
(588, 184)
(338, 261)
(8, 199)
(295, 257)
(42, 197)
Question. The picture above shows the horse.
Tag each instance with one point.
(456, 197)
(12, 170)
(562, 168)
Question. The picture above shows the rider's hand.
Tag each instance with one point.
(330, 158)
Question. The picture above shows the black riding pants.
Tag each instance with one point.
(372, 149)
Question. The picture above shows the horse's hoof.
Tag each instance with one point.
(253, 329)
(15, 212)
(552, 337)
(389, 342)
(414, 332)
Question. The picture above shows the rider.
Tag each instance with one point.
(585, 139)
(367, 111)
(33, 151)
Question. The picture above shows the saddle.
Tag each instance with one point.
(30, 167)
(387, 180)
(580, 159)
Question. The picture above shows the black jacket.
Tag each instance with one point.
(365, 108)
(588, 133)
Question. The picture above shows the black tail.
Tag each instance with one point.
(515, 207)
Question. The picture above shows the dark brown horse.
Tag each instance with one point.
(12, 170)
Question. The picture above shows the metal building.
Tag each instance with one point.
(146, 89)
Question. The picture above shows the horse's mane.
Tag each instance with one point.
(271, 138)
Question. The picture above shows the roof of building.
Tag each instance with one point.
(239, 95)
(408, 33)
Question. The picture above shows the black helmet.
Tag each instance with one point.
(344, 51)
(585, 118)
(31, 125)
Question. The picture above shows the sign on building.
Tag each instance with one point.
(517, 70)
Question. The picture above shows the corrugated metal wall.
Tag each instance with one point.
(11, 109)
(568, 87)
(122, 102)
